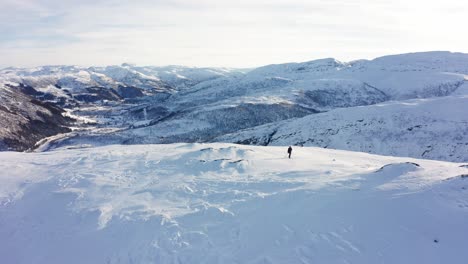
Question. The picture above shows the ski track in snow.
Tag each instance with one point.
(224, 203)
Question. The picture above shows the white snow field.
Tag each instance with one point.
(224, 203)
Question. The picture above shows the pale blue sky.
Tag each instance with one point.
(241, 33)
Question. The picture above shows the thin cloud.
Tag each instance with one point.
(239, 33)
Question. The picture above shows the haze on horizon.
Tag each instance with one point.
(242, 33)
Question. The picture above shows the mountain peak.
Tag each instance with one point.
(127, 64)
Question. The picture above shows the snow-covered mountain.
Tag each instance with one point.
(279, 92)
(407, 76)
(83, 197)
(74, 80)
(221, 203)
(304, 88)
(98, 95)
(134, 105)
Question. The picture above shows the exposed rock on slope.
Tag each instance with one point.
(25, 120)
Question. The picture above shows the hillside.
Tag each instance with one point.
(422, 128)
(222, 203)
(25, 120)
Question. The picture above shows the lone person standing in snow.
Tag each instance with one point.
(289, 151)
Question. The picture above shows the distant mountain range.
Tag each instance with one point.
(404, 105)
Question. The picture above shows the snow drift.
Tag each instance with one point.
(222, 203)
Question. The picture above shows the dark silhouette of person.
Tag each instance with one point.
(289, 151)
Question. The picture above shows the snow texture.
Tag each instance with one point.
(223, 203)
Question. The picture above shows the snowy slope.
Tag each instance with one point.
(434, 128)
(221, 203)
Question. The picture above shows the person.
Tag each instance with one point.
(289, 151)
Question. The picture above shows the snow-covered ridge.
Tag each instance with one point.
(404, 76)
(223, 203)
(150, 77)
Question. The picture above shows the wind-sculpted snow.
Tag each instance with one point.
(222, 203)
(423, 128)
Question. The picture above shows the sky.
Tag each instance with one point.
(236, 33)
